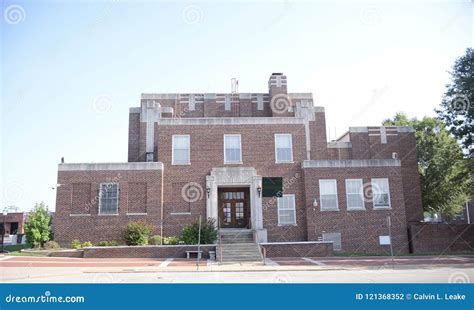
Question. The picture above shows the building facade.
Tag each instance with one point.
(257, 161)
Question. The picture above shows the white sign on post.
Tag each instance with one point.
(384, 240)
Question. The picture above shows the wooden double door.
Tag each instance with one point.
(234, 207)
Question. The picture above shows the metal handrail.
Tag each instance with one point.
(219, 240)
(257, 240)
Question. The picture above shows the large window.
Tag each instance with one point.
(283, 148)
(328, 195)
(181, 152)
(354, 194)
(108, 198)
(286, 210)
(380, 193)
(232, 149)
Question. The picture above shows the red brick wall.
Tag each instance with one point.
(166, 251)
(359, 230)
(93, 227)
(133, 136)
(303, 249)
(442, 238)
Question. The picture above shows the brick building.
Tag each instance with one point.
(252, 161)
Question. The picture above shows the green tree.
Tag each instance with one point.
(457, 106)
(444, 173)
(38, 225)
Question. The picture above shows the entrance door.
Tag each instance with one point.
(234, 211)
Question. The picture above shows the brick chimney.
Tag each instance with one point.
(279, 100)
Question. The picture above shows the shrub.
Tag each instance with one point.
(86, 244)
(208, 233)
(38, 225)
(107, 243)
(155, 240)
(51, 245)
(76, 244)
(137, 233)
(172, 240)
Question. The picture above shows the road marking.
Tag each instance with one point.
(270, 262)
(166, 262)
(313, 261)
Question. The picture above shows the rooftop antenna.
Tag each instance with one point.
(234, 98)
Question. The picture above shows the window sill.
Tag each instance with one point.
(233, 163)
(357, 209)
(284, 162)
(286, 225)
(113, 214)
(180, 213)
(329, 210)
(180, 164)
(382, 208)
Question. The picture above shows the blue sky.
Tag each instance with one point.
(70, 70)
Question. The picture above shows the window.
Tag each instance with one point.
(283, 148)
(108, 198)
(354, 194)
(286, 210)
(181, 153)
(328, 195)
(380, 193)
(232, 149)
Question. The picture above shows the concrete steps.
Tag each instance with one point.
(237, 245)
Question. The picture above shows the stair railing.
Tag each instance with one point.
(219, 240)
(257, 240)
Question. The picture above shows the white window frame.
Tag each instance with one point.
(361, 182)
(173, 162)
(276, 148)
(388, 192)
(240, 144)
(100, 198)
(320, 195)
(294, 210)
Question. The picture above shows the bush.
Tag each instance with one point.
(208, 233)
(86, 244)
(76, 244)
(172, 240)
(51, 245)
(155, 240)
(107, 243)
(137, 233)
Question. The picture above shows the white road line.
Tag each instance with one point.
(270, 262)
(166, 262)
(313, 261)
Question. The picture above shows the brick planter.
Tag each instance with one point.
(298, 249)
(148, 251)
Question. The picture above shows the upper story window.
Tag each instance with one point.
(381, 193)
(286, 210)
(354, 194)
(181, 150)
(108, 198)
(232, 149)
(283, 148)
(328, 195)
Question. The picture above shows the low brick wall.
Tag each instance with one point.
(442, 238)
(67, 253)
(298, 249)
(149, 251)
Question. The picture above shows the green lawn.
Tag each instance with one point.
(15, 250)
